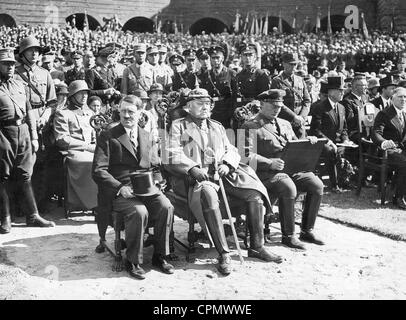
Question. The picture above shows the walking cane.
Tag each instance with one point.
(223, 192)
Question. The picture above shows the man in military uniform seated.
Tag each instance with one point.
(389, 134)
(196, 145)
(18, 144)
(271, 135)
(297, 99)
(121, 150)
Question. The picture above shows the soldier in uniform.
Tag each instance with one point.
(38, 81)
(18, 144)
(271, 134)
(140, 74)
(98, 80)
(163, 52)
(297, 100)
(221, 84)
(48, 64)
(188, 77)
(78, 70)
(251, 81)
(196, 145)
(161, 75)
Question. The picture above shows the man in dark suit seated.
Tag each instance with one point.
(329, 122)
(120, 150)
(389, 133)
(353, 102)
(387, 85)
(266, 136)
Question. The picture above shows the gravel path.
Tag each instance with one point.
(60, 263)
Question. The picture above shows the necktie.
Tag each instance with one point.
(133, 139)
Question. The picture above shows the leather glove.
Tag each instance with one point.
(198, 174)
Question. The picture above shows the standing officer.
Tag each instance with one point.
(297, 99)
(222, 86)
(138, 75)
(188, 77)
(38, 81)
(271, 135)
(78, 70)
(161, 74)
(251, 81)
(18, 144)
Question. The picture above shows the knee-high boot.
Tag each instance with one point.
(311, 208)
(33, 218)
(287, 218)
(255, 219)
(5, 208)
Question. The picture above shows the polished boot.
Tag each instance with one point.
(33, 218)
(310, 211)
(224, 265)
(4, 209)
(287, 218)
(255, 217)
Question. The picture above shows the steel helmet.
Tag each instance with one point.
(28, 42)
(76, 86)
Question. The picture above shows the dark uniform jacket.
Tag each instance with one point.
(264, 141)
(326, 123)
(251, 83)
(73, 74)
(184, 79)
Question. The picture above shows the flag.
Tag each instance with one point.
(392, 22)
(237, 22)
(159, 26)
(257, 31)
(364, 27)
(86, 23)
(261, 25)
(175, 26)
(280, 28)
(329, 29)
(306, 25)
(265, 29)
(252, 30)
(294, 20)
(318, 23)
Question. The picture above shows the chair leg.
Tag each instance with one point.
(382, 182)
(118, 264)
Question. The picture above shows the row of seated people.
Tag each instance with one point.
(195, 144)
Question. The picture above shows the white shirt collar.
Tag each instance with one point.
(399, 112)
(385, 101)
(333, 104)
(128, 130)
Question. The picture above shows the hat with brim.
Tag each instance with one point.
(76, 54)
(61, 89)
(289, 57)
(202, 53)
(143, 183)
(156, 87)
(142, 94)
(336, 83)
(76, 86)
(176, 59)
(272, 95)
(29, 42)
(388, 81)
(198, 93)
(152, 50)
(245, 48)
(373, 83)
(7, 55)
(48, 58)
(140, 47)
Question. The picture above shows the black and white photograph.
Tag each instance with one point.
(204, 156)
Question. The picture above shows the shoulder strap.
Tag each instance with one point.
(31, 86)
(291, 88)
(138, 78)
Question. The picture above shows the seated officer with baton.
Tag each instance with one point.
(196, 144)
(271, 135)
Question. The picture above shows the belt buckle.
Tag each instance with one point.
(19, 122)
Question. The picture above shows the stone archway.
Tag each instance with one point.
(7, 20)
(80, 18)
(208, 25)
(337, 23)
(139, 24)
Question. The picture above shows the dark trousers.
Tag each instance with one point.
(138, 213)
(397, 159)
(331, 162)
(285, 187)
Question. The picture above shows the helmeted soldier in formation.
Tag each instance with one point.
(18, 144)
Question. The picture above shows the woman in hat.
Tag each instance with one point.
(76, 139)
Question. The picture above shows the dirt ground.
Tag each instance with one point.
(60, 263)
